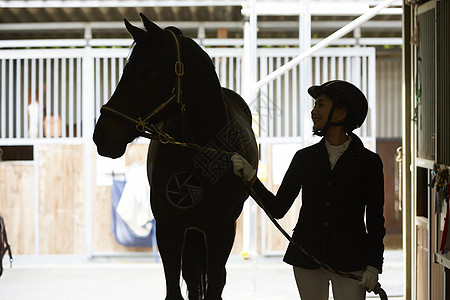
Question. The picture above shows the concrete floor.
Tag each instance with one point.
(127, 278)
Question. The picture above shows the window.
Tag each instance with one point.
(14, 153)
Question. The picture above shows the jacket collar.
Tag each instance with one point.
(322, 154)
(354, 149)
(356, 146)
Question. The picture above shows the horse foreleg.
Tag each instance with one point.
(194, 264)
(219, 242)
(170, 241)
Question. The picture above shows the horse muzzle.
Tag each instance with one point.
(105, 146)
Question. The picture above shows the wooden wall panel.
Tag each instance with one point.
(389, 93)
(61, 198)
(275, 241)
(17, 205)
(102, 234)
(387, 149)
(422, 259)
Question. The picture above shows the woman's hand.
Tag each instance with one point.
(370, 278)
(240, 165)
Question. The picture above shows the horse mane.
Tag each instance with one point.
(175, 30)
(200, 85)
(130, 51)
(148, 43)
(199, 50)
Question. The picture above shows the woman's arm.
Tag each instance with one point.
(374, 213)
(278, 204)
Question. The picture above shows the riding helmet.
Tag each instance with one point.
(349, 94)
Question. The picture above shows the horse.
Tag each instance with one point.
(169, 92)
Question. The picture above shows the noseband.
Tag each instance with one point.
(142, 123)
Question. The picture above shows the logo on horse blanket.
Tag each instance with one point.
(214, 164)
(184, 190)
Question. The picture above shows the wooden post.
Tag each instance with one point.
(408, 221)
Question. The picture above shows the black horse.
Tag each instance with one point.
(169, 91)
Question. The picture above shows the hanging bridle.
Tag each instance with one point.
(142, 123)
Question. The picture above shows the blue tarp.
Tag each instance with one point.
(123, 234)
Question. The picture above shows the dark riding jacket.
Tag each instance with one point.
(334, 203)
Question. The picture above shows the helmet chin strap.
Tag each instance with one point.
(329, 123)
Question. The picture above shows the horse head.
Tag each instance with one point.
(148, 92)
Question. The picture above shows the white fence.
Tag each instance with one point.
(42, 93)
(282, 109)
(55, 95)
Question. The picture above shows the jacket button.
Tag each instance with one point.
(327, 204)
(329, 182)
(325, 224)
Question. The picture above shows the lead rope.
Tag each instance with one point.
(165, 138)
(377, 290)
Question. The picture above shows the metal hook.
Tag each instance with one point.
(140, 126)
(164, 138)
(179, 68)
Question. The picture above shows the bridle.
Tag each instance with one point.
(143, 124)
(145, 127)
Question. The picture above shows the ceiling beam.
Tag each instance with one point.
(115, 3)
(323, 8)
(262, 25)
(281, 7)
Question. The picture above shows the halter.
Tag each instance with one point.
(142, 122)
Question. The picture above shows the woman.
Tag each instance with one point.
(341, 218)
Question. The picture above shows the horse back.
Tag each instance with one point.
(237, 105)
(240, 130)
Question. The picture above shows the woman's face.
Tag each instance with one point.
(320, 112)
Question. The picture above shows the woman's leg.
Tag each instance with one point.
(347, 288)
(312, 284)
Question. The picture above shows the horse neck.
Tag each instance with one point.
(206, 109)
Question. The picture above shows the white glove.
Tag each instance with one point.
(369, 278)
(242, 165)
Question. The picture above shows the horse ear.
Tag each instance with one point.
(149, 25)
(137, 33)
